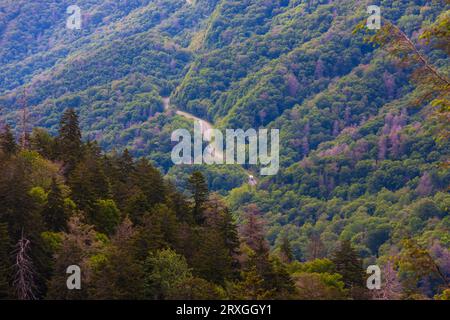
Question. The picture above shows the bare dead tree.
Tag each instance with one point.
(391, 288)
(24, 121)
(23, 282)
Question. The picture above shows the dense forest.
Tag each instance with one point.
(86, 176)
(134, 236)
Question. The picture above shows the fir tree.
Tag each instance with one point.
(54, 213)
(349, 265)
(199, 191)
(212, 260)
(69, 140)
(150, 182)
(229, 230)
(126, 163)
(120, 275)
(89, 183)
(7, 141)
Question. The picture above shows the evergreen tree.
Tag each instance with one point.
(42, 142)
(199, 191)
(218, 218)
(17, 207)
(156, 230)
(69, 140)
(54, 213)
(212, 260)
(282, 283)
(150, 182)
(349, 265)
(89, 183)
(126, 163)
(120, 274)
(7, 141)
(179, 204)
(229, 230)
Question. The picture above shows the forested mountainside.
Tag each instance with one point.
(364, 148)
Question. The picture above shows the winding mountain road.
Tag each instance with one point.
(206, 128)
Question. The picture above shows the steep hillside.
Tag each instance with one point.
(363, 157)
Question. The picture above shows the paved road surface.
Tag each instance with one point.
(204, 125)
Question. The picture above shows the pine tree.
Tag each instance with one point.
(7, 141)
(212, 260)
(126, 163)
(220, 219)
(283, 285)
(199, 191)
(349, 265)
(17, 206)
(156, 230)
(229, 230)
(179, 204)
(118, 169)
(121, 275)
(89, 183)
(69, 140)
(42, 142)
(150, 182)
(54, 213)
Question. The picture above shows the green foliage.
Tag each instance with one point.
(250, 288)
(349, 265)
(165, 270)
(8, 141)
(319, 286)
(107, 216)
(55, 212)
(69, 140)
(199, 191)
(363, 154)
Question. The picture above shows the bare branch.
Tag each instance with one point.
(24, 273)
